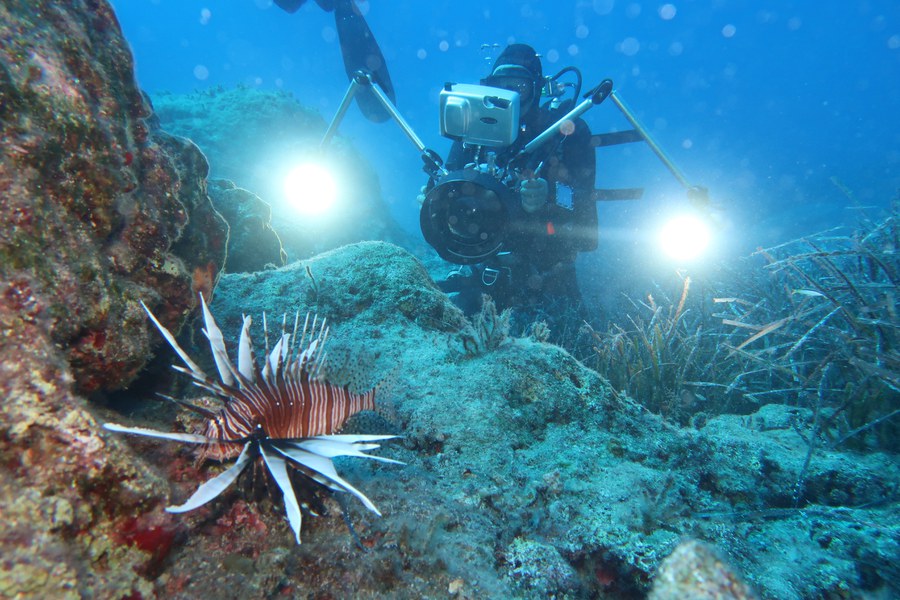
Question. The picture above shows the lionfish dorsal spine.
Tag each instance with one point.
(217, 345)
(202, 382)
(265, 369)
(285, 357)
(275, 360)
(246, 364)
(206, 413)
(305, 330)
(318, 356)
(196, 372)
(293, 349)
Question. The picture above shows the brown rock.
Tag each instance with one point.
(100, 208)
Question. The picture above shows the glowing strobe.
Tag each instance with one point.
(310, 188)
(684, 238)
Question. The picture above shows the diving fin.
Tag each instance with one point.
(290, 6)
(293, 6)
(361, 52)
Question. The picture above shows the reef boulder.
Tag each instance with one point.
(98, 209)
(252, 243)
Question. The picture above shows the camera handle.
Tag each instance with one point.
(433, 163)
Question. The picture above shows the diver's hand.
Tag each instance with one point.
(421, 197)
(534, 194)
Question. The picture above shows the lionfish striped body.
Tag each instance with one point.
(282, 413)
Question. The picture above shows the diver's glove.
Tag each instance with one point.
(421, 197)
(534, 194)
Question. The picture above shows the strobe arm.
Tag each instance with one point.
(656, 148)
(433, 163)
(592, 98)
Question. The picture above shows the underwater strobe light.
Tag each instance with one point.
(310, 188)
(684, 238)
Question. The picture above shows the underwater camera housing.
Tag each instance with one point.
(479, 115)
(473, 214)
(464, 216)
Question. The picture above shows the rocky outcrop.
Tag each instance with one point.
(100, 209)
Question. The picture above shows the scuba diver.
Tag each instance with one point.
(556, 186)
(514, 203)
(359, 50)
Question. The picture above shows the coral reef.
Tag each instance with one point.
(81, 518)
(527, 473)
(252, 243)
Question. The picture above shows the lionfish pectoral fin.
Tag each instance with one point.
(353, 438)
(214, 486)
(190, 438)
(324, 467)
(278, 469)
(330, 446)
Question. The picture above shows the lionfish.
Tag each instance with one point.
(283, 413)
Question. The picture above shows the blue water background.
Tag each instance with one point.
(763, 102)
